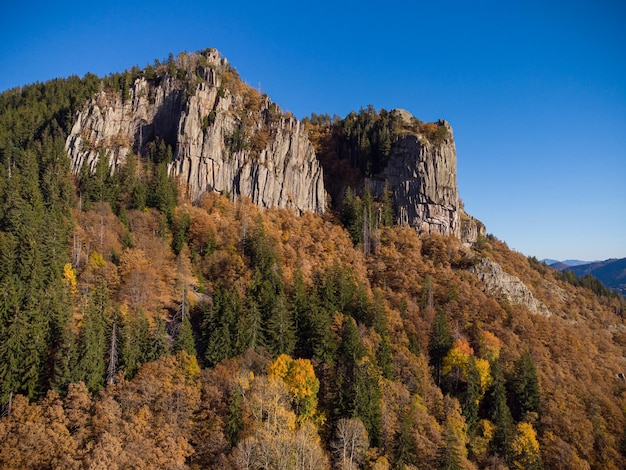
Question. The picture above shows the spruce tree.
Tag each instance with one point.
(500, 414)
(93, 345)
(404, 448)
(439, 344)
(472, 396)
(523, 387)
(184, 339)
(279, 332)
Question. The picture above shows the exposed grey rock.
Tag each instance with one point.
(272, 162)
(471, 228)
(422, 176)
(497, 281)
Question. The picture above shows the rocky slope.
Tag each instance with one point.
(225, 136)
(498, 282)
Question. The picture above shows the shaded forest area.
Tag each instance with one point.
(138, 330)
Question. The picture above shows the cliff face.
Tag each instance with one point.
(421, 173)
(422, 176)
(225, 136)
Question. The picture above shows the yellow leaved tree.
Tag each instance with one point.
(303, 385)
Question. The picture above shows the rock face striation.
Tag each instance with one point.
(421, 174)
(225, 136)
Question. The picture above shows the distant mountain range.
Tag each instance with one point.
(556, 264)
(612, 272)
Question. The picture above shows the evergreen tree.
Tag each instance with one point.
(387, 212)
(234, 418)
(216, 327)
(439, 344)
(249, 332)
(472, 397)
(450, 455)
(523, 388)
(184, 339)
(159, 340)
(404, 448)
(162, 193)
(352, 215)
(500, 414)
(369, 398)
(358, 383)
(350, 352)
(66, 361)
(302, 314)
(279, 332)
(136, 347)
(453, 451)
(385, 358)
(93, 344)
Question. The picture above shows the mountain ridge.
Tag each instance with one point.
(612, 272)
(141, 329)
(226, 137)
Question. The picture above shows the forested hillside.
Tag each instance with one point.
(140, 331)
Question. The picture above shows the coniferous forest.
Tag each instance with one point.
(138, 330)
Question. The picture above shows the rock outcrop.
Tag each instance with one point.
(225, 136)
(472, 229)
(421, 174)
(498, 282)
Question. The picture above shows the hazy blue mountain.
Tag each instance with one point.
(560, 265)
(611, 272)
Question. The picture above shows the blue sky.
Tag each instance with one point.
(535, 90)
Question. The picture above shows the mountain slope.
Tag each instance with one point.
(611, 272)
(145, 328)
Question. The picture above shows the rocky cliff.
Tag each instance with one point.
(422, 176)
(225, 136)
(421, 173)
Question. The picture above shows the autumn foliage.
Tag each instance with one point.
(140, 331)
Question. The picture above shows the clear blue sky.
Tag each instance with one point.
(535, 90)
